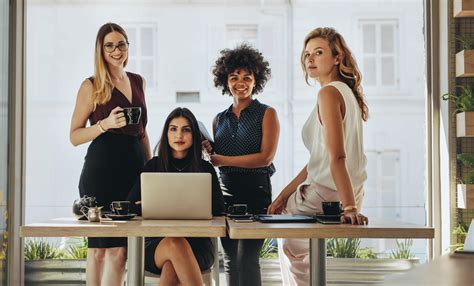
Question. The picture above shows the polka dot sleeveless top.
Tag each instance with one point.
(241, 136)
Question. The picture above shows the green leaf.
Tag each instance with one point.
(462, 98)
(268, 249)
(39, 249)
(403, 250)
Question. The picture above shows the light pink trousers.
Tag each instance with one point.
(293, 252)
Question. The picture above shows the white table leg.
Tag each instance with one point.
(317, 260)
(135, 261)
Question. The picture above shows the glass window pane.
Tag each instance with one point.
(387, 34)
(146, 40)
(388, 71)
(250, 34)
(389, 164)
(368, 32)
(132, 65)
(236, 34)
(147, 72)
(369, 71)
(132, 39)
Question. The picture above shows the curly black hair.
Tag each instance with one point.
(242, 57)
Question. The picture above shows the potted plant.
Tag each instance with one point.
(465, 187)
(463, 100)
(460, 232)
(465, 58)
(403, 250)
(348, 263)
(269, 263)
(46, 263)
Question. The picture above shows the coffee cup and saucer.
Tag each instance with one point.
(331, 213)
(238, 211)
(120, 210)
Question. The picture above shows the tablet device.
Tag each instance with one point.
(284, 218)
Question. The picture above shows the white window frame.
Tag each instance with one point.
(151, 82)
(378, 55)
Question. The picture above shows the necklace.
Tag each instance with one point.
(179, 169)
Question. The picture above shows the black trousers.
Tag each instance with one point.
(241, 256)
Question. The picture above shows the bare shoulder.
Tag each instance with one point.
(270, 116)
(86, 86)
(329, 95)
(270, 111)
(85, 92)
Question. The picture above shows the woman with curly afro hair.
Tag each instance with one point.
(246, 138)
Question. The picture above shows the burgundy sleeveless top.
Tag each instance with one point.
(118, 99)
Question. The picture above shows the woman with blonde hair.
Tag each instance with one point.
(118, 150)
(333, 136)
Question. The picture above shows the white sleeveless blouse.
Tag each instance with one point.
(313, 138)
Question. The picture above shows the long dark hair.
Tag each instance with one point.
(194, 152)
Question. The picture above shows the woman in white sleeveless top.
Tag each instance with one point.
(333, 136)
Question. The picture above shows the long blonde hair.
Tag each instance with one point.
(103, 85)
(348, 70)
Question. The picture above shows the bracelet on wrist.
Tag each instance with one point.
(349, 208)
(102, 130)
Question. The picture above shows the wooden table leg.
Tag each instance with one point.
(135, 261)
(317, 260)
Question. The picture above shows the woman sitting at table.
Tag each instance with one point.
(333, 135)
(180, 260)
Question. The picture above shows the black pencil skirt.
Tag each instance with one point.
(111, 167)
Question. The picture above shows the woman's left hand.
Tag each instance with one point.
(217, 160)
(354, 217)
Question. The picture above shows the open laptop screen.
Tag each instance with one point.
(176, 195)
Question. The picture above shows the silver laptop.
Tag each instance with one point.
(176, 195)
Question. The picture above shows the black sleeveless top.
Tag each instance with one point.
(118, 99)
(242, 136)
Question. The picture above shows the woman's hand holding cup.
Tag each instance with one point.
(116, 119)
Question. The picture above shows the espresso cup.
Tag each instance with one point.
(120, 207)
(331, 208)
(237, 209)
(132, 114)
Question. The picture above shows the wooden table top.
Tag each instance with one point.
(71, 227)
(377, 228)
(454, 269)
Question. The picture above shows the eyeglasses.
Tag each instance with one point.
(110, 47)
